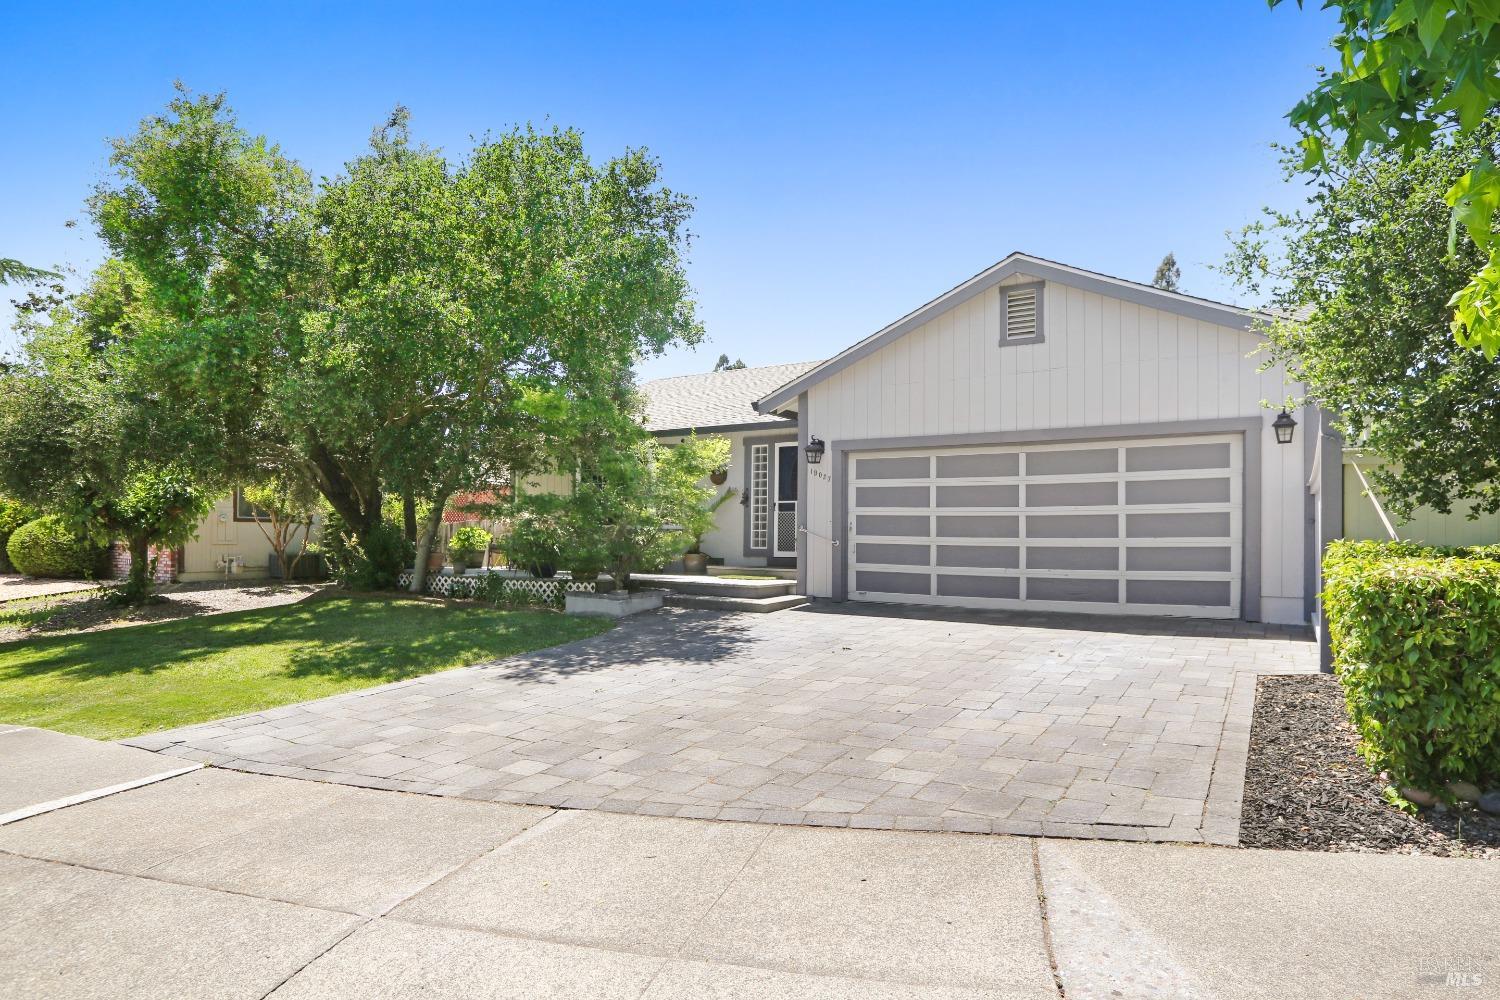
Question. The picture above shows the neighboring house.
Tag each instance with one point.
(229, 543)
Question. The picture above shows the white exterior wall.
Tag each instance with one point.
(1103, 361)
(727, 540)
(220, 535)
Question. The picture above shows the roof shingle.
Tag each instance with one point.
(715, 399)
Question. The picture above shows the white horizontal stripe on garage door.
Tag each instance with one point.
(1141, 527)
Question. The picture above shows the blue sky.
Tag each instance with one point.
(848, 162)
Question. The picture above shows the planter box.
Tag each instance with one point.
(615, 603)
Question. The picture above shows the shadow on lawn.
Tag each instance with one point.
(375, 638)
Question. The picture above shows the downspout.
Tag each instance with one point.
(1330, 477)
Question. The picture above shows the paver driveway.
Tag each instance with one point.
(830, 715)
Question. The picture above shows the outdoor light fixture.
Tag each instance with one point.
(1285, 426)
(814, 450)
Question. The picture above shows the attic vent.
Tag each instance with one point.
(1022, 319)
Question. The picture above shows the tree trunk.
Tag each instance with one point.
(360, 513)
(138, 584)
(409, 515)
(424, 543)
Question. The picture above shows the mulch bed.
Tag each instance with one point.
(1307, 788)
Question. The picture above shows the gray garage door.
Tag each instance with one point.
(1143, 527)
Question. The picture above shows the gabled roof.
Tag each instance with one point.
(720, 401)
(1206, 310)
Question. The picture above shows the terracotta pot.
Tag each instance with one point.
(695, 562)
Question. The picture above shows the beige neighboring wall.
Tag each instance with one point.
(219, 536)
(1362, 518)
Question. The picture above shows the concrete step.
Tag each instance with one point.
(751, 605)
(776, 572)
(710, 586)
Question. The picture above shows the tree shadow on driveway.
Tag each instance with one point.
(686, 636)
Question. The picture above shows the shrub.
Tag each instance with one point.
(49, 547)
(13, 514)
(375, 565)
(536, 537)
(1416, 644)
(468, 543)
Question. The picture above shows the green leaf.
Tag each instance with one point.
(1431, 22)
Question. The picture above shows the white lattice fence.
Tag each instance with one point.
(549, 590)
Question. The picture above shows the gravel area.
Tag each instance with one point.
(1307, 788)
(88, 612)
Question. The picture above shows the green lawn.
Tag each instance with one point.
(123, 682)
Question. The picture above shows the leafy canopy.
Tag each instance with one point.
(409, 325)
(1411, 74)
(1365, 270)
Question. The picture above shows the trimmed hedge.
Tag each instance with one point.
(48, 547)
(1416, 643)
(13, 514)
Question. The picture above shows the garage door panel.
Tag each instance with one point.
(1203, 558)
(894, 525)
(995, 587)
(981, 466)
(1071, 558)
(893, 496)
(1214, 593)
(979, 526)
(1072, 526)
(998, 495)
(1177, 525)
(1072, 589)
(979, 556)
(1071, 462)
(1177, 491)
(1072, 494)
(885, 582)
(1140, 528)
(892, 554)
(1164, 457)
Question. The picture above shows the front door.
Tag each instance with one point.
(784, 523)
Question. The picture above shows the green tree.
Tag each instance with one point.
(1168, 275)
(391, 328)
(285, 506)
(13, 272)
(1411, 75)
(725, 365)
(87, 435)
(1363, 276)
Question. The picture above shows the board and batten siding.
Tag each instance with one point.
(1103, 362)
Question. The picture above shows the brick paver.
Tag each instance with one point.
(832, 715)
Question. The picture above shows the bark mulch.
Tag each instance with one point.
(1307, 788)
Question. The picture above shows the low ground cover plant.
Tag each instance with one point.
(1416, 641)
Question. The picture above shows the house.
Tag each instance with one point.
(758, 528)
(1038, 437)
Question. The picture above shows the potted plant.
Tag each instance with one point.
(697, 523)
(468, 546)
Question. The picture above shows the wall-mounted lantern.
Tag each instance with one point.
(1285, 427)
(814, 450)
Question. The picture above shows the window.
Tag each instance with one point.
(760, 495)
(1021, 313)
(245, 511)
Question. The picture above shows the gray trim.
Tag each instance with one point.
(804, 495)
(1040, 336)
(747, 442)
(1311, 430)
(1330, 518)
(1252, 428)
(1216, 313)
(754, 425)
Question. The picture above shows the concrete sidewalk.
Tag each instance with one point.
(223, 884)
